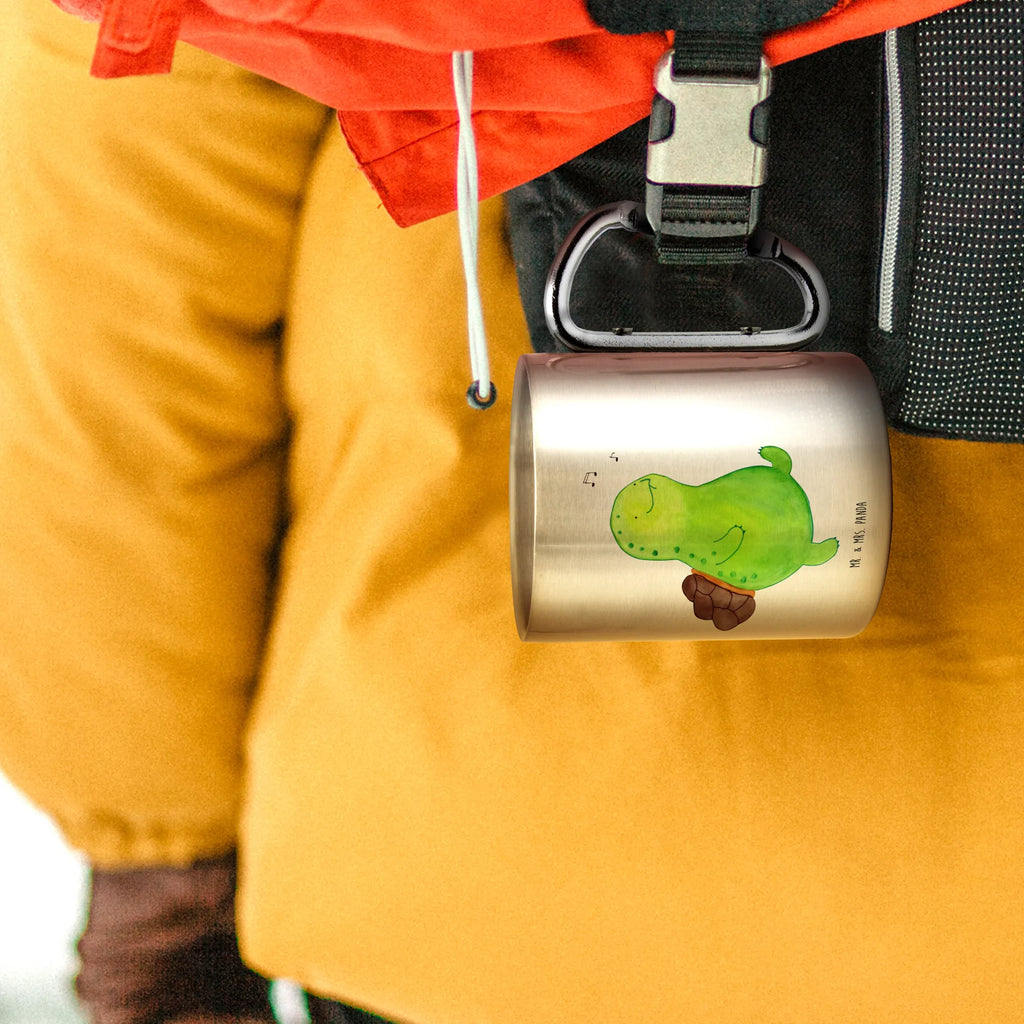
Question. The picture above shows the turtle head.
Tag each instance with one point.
(647, 519)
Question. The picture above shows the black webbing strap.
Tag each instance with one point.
(631, 17)
(716, 54)
(682, 208)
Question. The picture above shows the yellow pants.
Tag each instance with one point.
(236, 461)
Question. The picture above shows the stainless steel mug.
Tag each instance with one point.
(697, 495)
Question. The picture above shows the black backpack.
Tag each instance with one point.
(896, 163)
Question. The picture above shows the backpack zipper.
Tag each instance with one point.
(893, 183)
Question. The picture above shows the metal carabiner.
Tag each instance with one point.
(628, 216)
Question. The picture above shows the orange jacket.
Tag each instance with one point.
(386, 69)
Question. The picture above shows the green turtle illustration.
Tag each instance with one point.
(739, 533)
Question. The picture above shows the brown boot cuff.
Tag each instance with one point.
(160, 944)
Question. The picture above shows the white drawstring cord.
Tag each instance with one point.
(481, 394)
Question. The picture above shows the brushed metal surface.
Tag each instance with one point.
(584, 426)
(711, 141)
